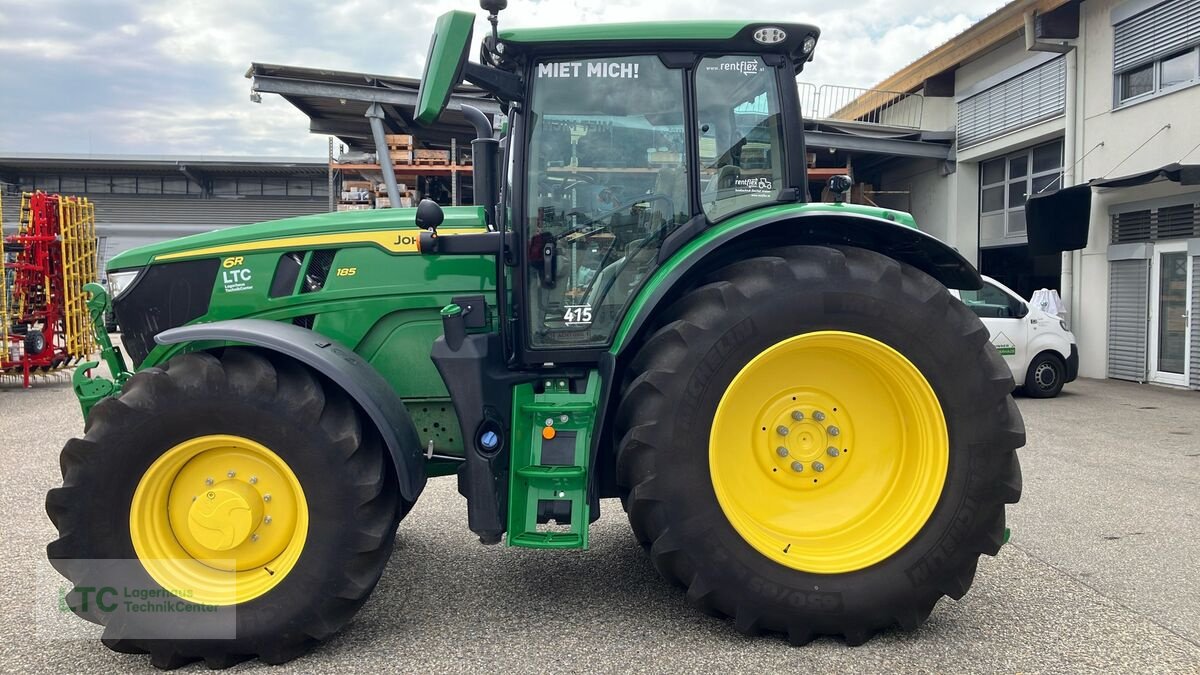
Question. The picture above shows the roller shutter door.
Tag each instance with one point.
(1128, 318)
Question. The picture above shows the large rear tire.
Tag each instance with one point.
(244, 479)
(819, 441)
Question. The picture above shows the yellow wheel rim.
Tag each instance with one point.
(218, 520)
(828, 452)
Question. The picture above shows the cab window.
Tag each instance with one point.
(606, 183)
(740, 132)
(991, 302)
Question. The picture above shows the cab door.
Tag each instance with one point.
(606, 180)
(1007, 319)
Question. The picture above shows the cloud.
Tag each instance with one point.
(166, 76)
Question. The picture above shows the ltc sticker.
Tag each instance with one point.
(1004, 345)
(237, 280)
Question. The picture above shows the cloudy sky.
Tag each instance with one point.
(166, 76)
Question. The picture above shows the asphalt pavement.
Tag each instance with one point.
(1102, 573)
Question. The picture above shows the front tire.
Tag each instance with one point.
(750, 530)
(1046, 376)
(241, 480)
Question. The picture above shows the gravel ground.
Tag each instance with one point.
(1101, 574)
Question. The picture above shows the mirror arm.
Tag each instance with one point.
(501, 83)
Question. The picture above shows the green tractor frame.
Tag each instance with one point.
(808, 433)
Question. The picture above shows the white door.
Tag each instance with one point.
(1170, 292)
(1005, 317)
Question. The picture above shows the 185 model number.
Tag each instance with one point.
(578, 315)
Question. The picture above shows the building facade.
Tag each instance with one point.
(1094, 90)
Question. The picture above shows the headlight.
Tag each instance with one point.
(119, 282)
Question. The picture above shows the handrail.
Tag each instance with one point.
(854, 104)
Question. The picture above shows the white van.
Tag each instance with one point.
(1035, 344)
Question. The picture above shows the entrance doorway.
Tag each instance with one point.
(1171, 287)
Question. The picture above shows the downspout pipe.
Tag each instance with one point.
(383, 155)
(1032, 44)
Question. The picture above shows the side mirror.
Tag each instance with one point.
(429, 215)
(493, 6)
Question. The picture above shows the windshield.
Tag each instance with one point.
(606, 183)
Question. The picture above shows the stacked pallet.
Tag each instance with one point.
(401, 147)
(407, 197)
(356, 195)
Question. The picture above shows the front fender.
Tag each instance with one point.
(799, 224)
(341, 365)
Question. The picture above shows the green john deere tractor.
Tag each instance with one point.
(808, 433)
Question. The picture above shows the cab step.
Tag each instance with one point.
(552, 434)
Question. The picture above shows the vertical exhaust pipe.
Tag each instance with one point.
(484, 151)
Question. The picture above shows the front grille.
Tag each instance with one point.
(163, 297)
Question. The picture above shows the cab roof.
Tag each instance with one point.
(652, 36)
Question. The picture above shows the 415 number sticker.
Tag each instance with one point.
(578, 315)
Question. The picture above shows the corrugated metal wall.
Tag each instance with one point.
(1155, 33)
(1195, 322)
(1128, 317)
(213, 212)
(1033, 96)
(128, 221)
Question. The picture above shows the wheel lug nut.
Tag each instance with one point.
(231, 474)
(254, 537)
(818, 416)
(266, 520)
(818, 467)
(797, 467)
(208, 481)
(832, 451)
(797, 415)
(833, 431)
(782, 451)
(253, 480)
(267, 497)
(782, 430)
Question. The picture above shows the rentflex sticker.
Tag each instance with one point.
(1004, 345)
(755, 187)
(746, 67)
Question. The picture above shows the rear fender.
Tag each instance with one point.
(740, 238)
(342, 366)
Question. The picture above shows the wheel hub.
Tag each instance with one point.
(225, 515)
(806, 439)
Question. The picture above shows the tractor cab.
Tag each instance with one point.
(625, 142)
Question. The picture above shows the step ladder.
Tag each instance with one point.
(553, 424)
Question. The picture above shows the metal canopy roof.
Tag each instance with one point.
(336, 103)
(14, 164)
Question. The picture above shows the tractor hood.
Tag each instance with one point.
(324, 229)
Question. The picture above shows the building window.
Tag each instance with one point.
(1156, 50)
(1178, 70)
(1006, 182)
